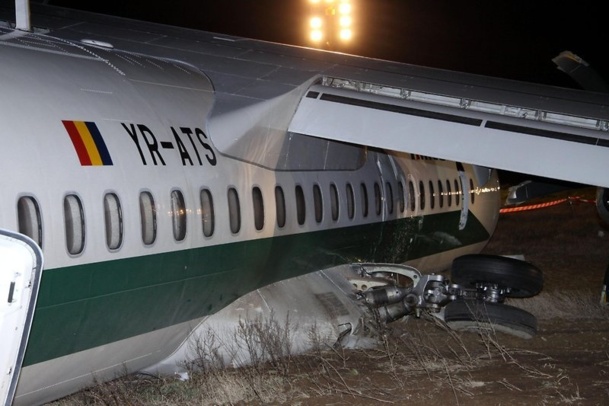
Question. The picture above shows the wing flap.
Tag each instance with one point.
(504, 137)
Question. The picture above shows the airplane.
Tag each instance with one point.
(158, 174)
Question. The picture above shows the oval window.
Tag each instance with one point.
(350, 202)
(318, 203)
(364, 192)
(148, 218)
(207, 213)
(74, 224)
(29, 218)
(178, 212)
(114, 221)
(300, 205)
(258, 208)
(234, 211)
(280, 206)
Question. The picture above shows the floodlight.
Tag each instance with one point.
(344, 8)
(316, 35)
(345, 21)
(315, 22)
(345, 34)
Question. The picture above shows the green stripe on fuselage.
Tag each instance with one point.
(86, 306)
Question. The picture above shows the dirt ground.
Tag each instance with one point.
(567, 362)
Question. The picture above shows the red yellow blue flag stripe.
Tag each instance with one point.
(88, 143)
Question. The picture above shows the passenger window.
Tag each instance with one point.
(432, 196)
(148, 218)
(364, 192)
(334, 201)
(29, 218)
(378, 199)
(300, 205)
(389, 197)
(234, 211)
(280, 206)
(318, 203)
(440, 194)
(457, 193)
(258, 208)
(449, 193)
(207, 213)
(75, 224)
(411, 196)
(350, 202)
(401, 199)
(472, 191)
(114, 221)
(421, 195)
(178, 212)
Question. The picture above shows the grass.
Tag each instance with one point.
(420, 353)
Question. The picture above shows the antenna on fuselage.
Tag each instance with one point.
(22, 15)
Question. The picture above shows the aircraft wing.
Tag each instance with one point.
(522, 127)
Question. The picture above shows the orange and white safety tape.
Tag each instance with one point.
(571, 199)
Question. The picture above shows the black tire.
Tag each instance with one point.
(474, 315)
(523, 278)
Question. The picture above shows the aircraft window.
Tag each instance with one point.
(300, 205)
(75, 224)
(350, 202)
(29, 218)
(457, 192)
(148, 218)
(334, 201)
(178, 212)
(471, 190)
(364, 191)
(401, 199)
(432, 196)
(318, 202)
(378, 200)
(280, 206)
(412, 201)
(421, 195)
(234, 211)
(258, 208)
(389, 197)
(440, 193)
(114, 221)
(449, 193)
(207, 212)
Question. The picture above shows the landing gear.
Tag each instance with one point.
(472, 299)
(494, 278)
(476, 315)
(512, 277)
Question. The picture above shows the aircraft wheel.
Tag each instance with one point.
(479, 316)
(522, 278)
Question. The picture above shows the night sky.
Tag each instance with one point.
(506, 38)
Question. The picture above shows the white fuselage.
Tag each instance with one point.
(176, 212)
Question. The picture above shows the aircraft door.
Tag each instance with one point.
(20, 272)
(464, 196)
(388, 175)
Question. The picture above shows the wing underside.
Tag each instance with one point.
(503, 136)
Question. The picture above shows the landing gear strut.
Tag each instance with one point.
(471, 300)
